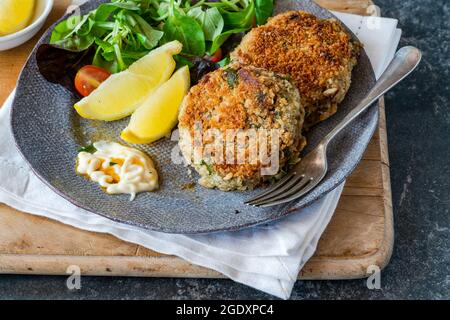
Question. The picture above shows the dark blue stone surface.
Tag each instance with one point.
(418, 118)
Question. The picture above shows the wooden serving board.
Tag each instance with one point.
(359, 235)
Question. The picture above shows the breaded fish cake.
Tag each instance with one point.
(317, 54)
(241, 98)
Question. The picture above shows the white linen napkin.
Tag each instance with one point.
(267, 257)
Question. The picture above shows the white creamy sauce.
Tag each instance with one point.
(118, 169)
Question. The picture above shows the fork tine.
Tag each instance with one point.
(293, 197)
(303, 183)
(272, 188)
(277, 191)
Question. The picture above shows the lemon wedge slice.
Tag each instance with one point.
(154, 63)
(15, 15)
(117, 97)
(158, 115)
(122, 93)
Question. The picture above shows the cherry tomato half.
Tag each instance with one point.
(216, 57)
(89, 78)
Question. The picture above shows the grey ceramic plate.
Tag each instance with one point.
(48, 133)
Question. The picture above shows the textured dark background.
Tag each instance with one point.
(418, 120)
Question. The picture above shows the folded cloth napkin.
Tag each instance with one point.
(267, 257)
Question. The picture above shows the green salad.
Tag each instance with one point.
(123, 31)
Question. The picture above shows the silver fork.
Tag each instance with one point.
(313, 167)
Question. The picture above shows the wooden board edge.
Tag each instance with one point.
(164, 267)
(387, 199)
(342, 269)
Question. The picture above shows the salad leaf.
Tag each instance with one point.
(119, 57)
(127, 4)
(232, 42)
(220, 40)
(63, 29)
(240, 19)
(263, 10)
(162, 12)
(186, 30)
(148, 36)
(75, 33)
(75, 23)
(99, 60)
(210, 20)
(76, 43)
(183, 61)
(86, 27)
(104, 12)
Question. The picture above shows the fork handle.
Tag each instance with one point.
(405, 61)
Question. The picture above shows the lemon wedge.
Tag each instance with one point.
(158, 115)
(15, 15)
(122, 93)
(156, 66)
(116, 98)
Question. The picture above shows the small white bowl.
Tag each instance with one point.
(41, 11)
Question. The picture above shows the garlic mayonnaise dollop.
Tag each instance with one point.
(118, 169)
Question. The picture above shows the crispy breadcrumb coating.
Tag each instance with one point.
(317, 54)
(242, 97)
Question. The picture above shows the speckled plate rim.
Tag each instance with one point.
(288, 212)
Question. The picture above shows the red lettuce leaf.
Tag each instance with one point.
(58, 65)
